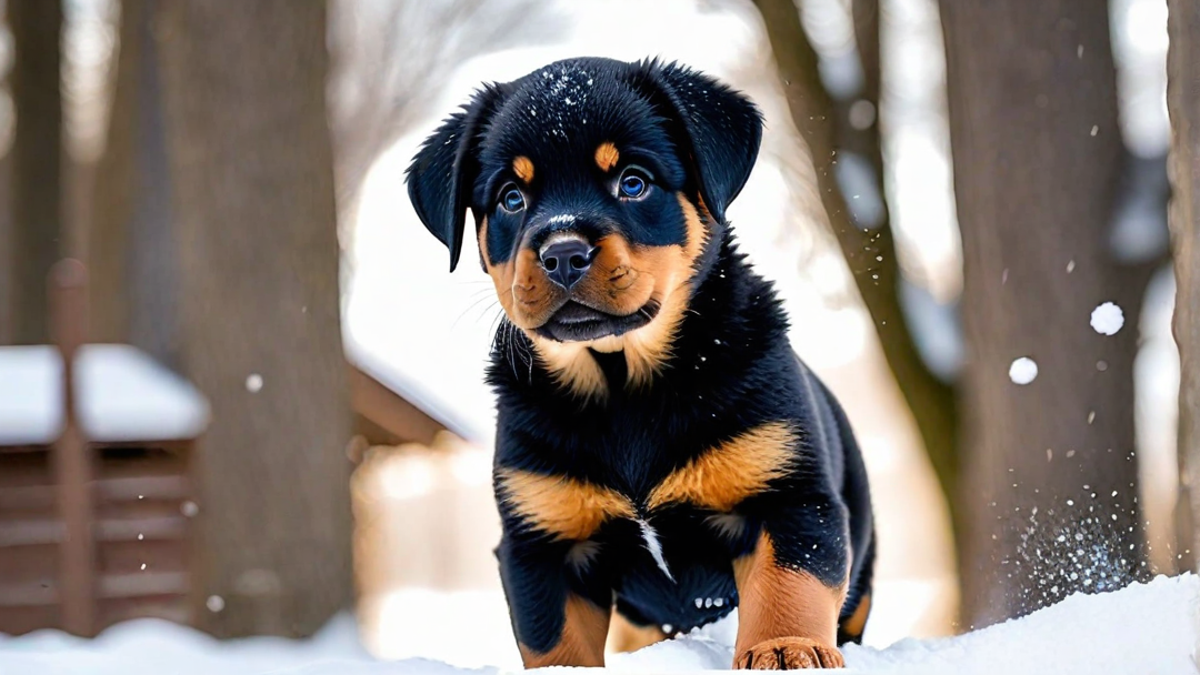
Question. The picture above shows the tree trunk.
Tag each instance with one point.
(1049, 472)
(36, 228)
(1183, 103)
(869, 248)
(7, 243)
(252, 169)
(133, 256)
(109, 238)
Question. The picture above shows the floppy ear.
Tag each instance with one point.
(441, 175)
(721, 129)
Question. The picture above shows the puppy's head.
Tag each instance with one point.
(596, 186)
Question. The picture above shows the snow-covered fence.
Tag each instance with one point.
(95, 487)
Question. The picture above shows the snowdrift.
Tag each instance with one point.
(1144, 629)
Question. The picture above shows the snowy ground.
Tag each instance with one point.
(1146, 629)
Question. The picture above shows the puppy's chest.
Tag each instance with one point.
(649, 477)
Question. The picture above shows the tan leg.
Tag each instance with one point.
(853, 627)
(624, 636)
(582, 640)
(787, 618)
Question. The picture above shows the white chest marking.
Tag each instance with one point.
(654, 546)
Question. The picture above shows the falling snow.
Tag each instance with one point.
(1107, 319)
(1071, 548)
(1023, 370)
(254, 383)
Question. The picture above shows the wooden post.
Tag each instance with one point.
(71, 459)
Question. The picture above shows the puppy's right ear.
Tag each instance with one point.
(721, 128)
(441, 175)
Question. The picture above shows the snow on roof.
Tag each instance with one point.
(30, 395)
(123, 396)
(368, 359)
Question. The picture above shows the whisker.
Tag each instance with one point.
(528, 357)
(495, 304)
(496, 325)
(512, 349)
(470, 307)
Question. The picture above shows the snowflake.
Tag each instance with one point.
(1107, 319)
(1023, 370)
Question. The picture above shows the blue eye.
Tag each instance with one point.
(633, 183)
(512, 200)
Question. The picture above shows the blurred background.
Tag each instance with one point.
(240, 390)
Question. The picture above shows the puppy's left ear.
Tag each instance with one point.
(722, 129)
(441, 175)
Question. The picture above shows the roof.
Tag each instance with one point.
(470, 427)
(123, 396)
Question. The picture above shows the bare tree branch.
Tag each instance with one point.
(389, 58)
(870, 252)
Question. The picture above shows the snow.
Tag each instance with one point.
(30, 400)
(148, 646)
(856, 177)
(451, 391)
(1144, 629)
(1107, 319)
(254, 383)
(123, 395)
(1023, 370)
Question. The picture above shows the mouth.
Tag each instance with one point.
(576, 322)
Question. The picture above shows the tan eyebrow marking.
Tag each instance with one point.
(607, 156)
(523, 167)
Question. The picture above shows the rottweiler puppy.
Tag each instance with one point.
(662, 455)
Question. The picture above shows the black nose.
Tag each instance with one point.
(567, 261)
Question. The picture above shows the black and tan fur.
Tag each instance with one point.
(662, 455)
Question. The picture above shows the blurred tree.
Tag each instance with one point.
(37, 153)
(389, 57)
(837, 133)
(7, 334)
(132, 247)
(251, 166)
(1049, 483)
(386, 59)
(1183, 104)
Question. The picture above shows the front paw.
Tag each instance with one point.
(789, 653)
